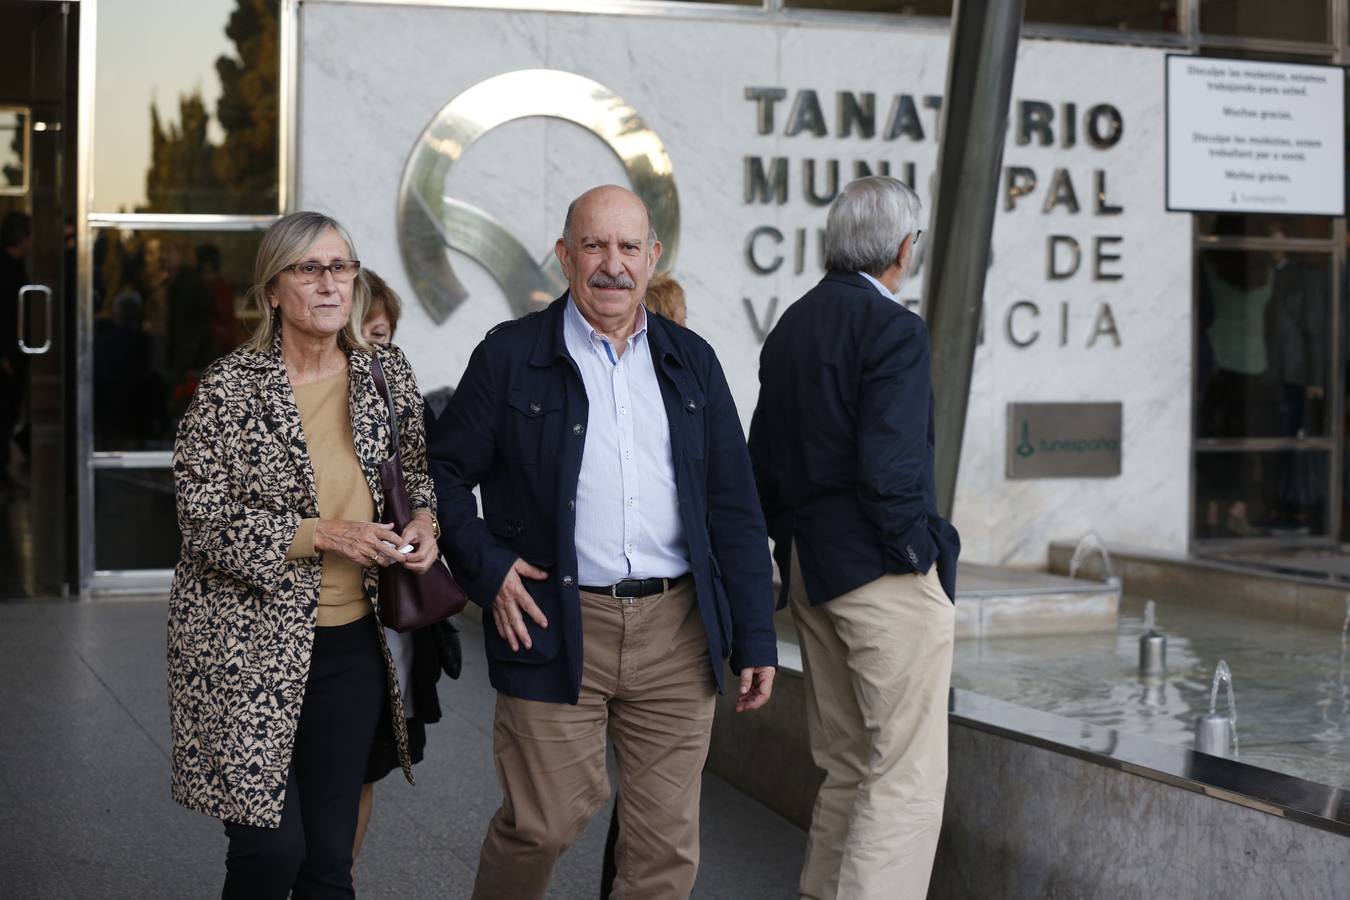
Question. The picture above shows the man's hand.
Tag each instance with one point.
(756, 687)
(513, 602)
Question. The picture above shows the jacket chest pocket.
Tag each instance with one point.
(533, 425)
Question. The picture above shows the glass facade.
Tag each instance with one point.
(136, 521)
(186, 107)
(166, 303)
(1273, 494)
(1289, 20)
(1262, 365)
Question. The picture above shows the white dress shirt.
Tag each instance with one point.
(628, 510)
(881, 287)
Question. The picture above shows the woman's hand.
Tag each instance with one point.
(420, 534)
(364, 543)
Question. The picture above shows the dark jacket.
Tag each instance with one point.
(842, 441)
(516, 428)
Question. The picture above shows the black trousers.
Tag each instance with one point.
(309, 857)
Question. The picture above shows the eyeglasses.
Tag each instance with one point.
(309, 271)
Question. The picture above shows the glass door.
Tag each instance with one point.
(37, 290)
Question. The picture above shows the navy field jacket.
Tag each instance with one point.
(842, 441)
(516, 427)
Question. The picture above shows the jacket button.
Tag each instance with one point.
(535, 407)
(567, 581)
(578, 428)
(691, 406)
(571, 504)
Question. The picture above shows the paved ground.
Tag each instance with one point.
(84, 783)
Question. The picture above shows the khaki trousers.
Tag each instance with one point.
(877, 664)
(647, 681)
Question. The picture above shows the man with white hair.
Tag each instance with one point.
(842, 446)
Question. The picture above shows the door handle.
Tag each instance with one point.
(23, 298)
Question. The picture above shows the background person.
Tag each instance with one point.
(665, 297)
(16, 242)
(842, 443)
(277, 666)
(419, 656)
(618, 509)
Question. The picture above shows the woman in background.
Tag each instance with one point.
(420, 656)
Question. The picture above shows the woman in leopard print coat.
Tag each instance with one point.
(273, 706)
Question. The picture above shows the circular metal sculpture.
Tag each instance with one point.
(429, 221)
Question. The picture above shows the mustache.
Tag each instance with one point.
(601, 280)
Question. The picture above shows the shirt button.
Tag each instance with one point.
(567, 581)
(578, 428)
(623, 410)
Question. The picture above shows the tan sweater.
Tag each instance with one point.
(343, 494)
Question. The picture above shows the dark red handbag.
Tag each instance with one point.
(408, 601)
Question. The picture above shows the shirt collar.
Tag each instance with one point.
(879, 286)
(580, 328)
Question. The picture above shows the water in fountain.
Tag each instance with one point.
(1222, 673)
(1345, 633)
(1150, 607)
(1089, 543)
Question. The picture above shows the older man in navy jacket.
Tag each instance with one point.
(842, 443)
(622, 555)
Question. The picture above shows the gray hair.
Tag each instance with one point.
(284, 244)
(868, 221)
(571, 209)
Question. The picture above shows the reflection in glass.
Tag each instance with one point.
(165, 305)
(900, 7)
(1132, 15)
(1288, 20)
(14, 140)
(1264, 343)
(135, 520)
(1241, 225)
(1269, 493)
(186, 106)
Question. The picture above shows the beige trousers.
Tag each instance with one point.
(877, 664)
(647, 682)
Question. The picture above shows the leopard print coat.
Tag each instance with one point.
(241, 616)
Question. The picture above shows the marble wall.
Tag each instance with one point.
(372, 77)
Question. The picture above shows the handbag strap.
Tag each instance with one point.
(377, 372)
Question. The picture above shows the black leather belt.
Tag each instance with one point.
(633, 587)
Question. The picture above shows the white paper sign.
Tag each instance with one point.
(1255, 137)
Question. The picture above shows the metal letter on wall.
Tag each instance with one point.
(429, 221)
(1064, 440)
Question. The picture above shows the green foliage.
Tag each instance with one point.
(190, 174)
(181, 178)
(247, 160)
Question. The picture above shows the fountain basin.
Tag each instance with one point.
(993, 602)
